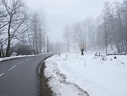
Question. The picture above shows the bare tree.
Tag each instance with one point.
(15, 18)
(110, 30)
(81, 37)
(78, 37)
(38, 32)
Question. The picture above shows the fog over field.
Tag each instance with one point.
(61, 12)
(62, 25)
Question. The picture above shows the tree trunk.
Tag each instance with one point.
(36, 44)
(9, 38)
(8, 47)
(82, 52)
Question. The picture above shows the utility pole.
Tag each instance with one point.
(105, 37)
(47, 44)
(68, 46)
(0, 50)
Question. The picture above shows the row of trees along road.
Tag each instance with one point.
(107, 30)
(20, 28)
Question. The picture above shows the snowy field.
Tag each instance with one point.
(87, 75)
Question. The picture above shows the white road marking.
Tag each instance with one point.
(12, 68)
(23, 61)
(1, 74)
(20, 62)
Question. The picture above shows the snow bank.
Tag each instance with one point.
(74, 75)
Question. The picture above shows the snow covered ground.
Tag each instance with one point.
(87, 75)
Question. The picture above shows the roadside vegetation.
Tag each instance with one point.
(45, 90)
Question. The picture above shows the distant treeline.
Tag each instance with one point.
(108, 29)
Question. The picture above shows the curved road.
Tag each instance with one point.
(18, 77)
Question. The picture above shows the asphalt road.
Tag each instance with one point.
(18, 77)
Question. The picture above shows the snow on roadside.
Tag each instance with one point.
(19, 56)
(82, 75)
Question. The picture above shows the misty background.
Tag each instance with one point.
(66, 25)
(61, 12)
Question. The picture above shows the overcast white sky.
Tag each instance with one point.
(62, 12)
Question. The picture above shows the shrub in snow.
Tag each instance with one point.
(103, 58)
(115, 57)
(112, 58)
(120, 62)
(97, 54)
